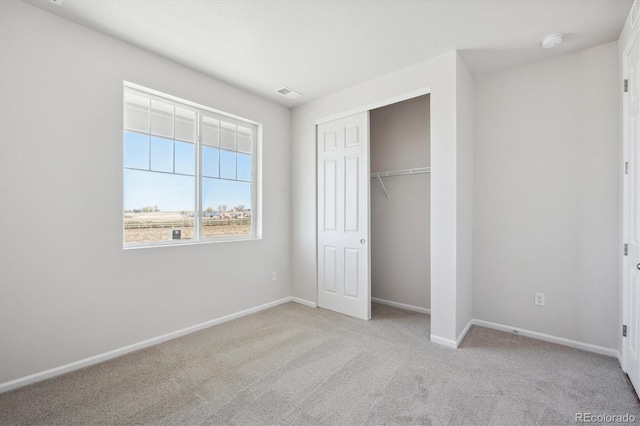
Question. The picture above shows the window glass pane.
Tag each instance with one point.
(161, 154)
(136, 112)
(185, 124)
(227, 164)
(210, 161)
(185, 158)
(178, 157)
(228, 136)
(161, 119)
(244, 139)
(156, 205)
(136, 150)
(244, 167)
(210, 131)
(227, 207)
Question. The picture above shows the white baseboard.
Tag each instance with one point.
(47, 374)
(305, 302)
(402, 306)
(444, 342)
(527, 333)
(464, 332)
(549, 338)
(452, 343)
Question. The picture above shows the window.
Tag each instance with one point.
(189, 172)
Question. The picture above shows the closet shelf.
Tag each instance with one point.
(403, 172)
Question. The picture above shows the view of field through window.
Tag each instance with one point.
(161, 176)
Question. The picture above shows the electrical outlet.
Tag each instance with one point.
(539, 300)
(274, 276)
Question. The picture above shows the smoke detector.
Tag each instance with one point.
(551, 41)
(288, 93)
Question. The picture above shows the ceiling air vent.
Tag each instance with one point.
(288, 93)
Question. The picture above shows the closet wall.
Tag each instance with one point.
(400, 224)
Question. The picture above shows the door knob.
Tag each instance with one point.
(362, 241)
(638, 266)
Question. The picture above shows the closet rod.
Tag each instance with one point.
(402, 172)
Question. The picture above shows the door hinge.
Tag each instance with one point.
(626, 86)
(626, 167)
(626, 249)
(624, 330)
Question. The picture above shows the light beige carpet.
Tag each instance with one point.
(294, 365)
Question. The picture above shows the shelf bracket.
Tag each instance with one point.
(383, 188)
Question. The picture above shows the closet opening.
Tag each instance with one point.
(374, 209)
(400, 206)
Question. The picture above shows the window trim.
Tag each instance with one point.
(200, 111)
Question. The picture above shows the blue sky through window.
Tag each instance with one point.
(167, 191)
(136, 150)
(216, 192)
(185, 158)
(227, 164)
(175, 192)
(161, 154)
(244, 166)
(210, 161)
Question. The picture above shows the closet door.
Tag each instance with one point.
(343, 216)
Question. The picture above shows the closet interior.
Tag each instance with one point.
(400, 204)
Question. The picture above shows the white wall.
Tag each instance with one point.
(464, 190)
(546, 210)
(67, 288)
(439, 76)
(400, 224)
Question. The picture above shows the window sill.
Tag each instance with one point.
(171, 243)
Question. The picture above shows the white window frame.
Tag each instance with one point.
(200, 111)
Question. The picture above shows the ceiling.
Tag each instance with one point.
(320, 47)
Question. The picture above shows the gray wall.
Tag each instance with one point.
(67, 288)
(547, 167)
(400, 225)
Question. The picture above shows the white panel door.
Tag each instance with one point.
(343, 216)
(631, 227)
